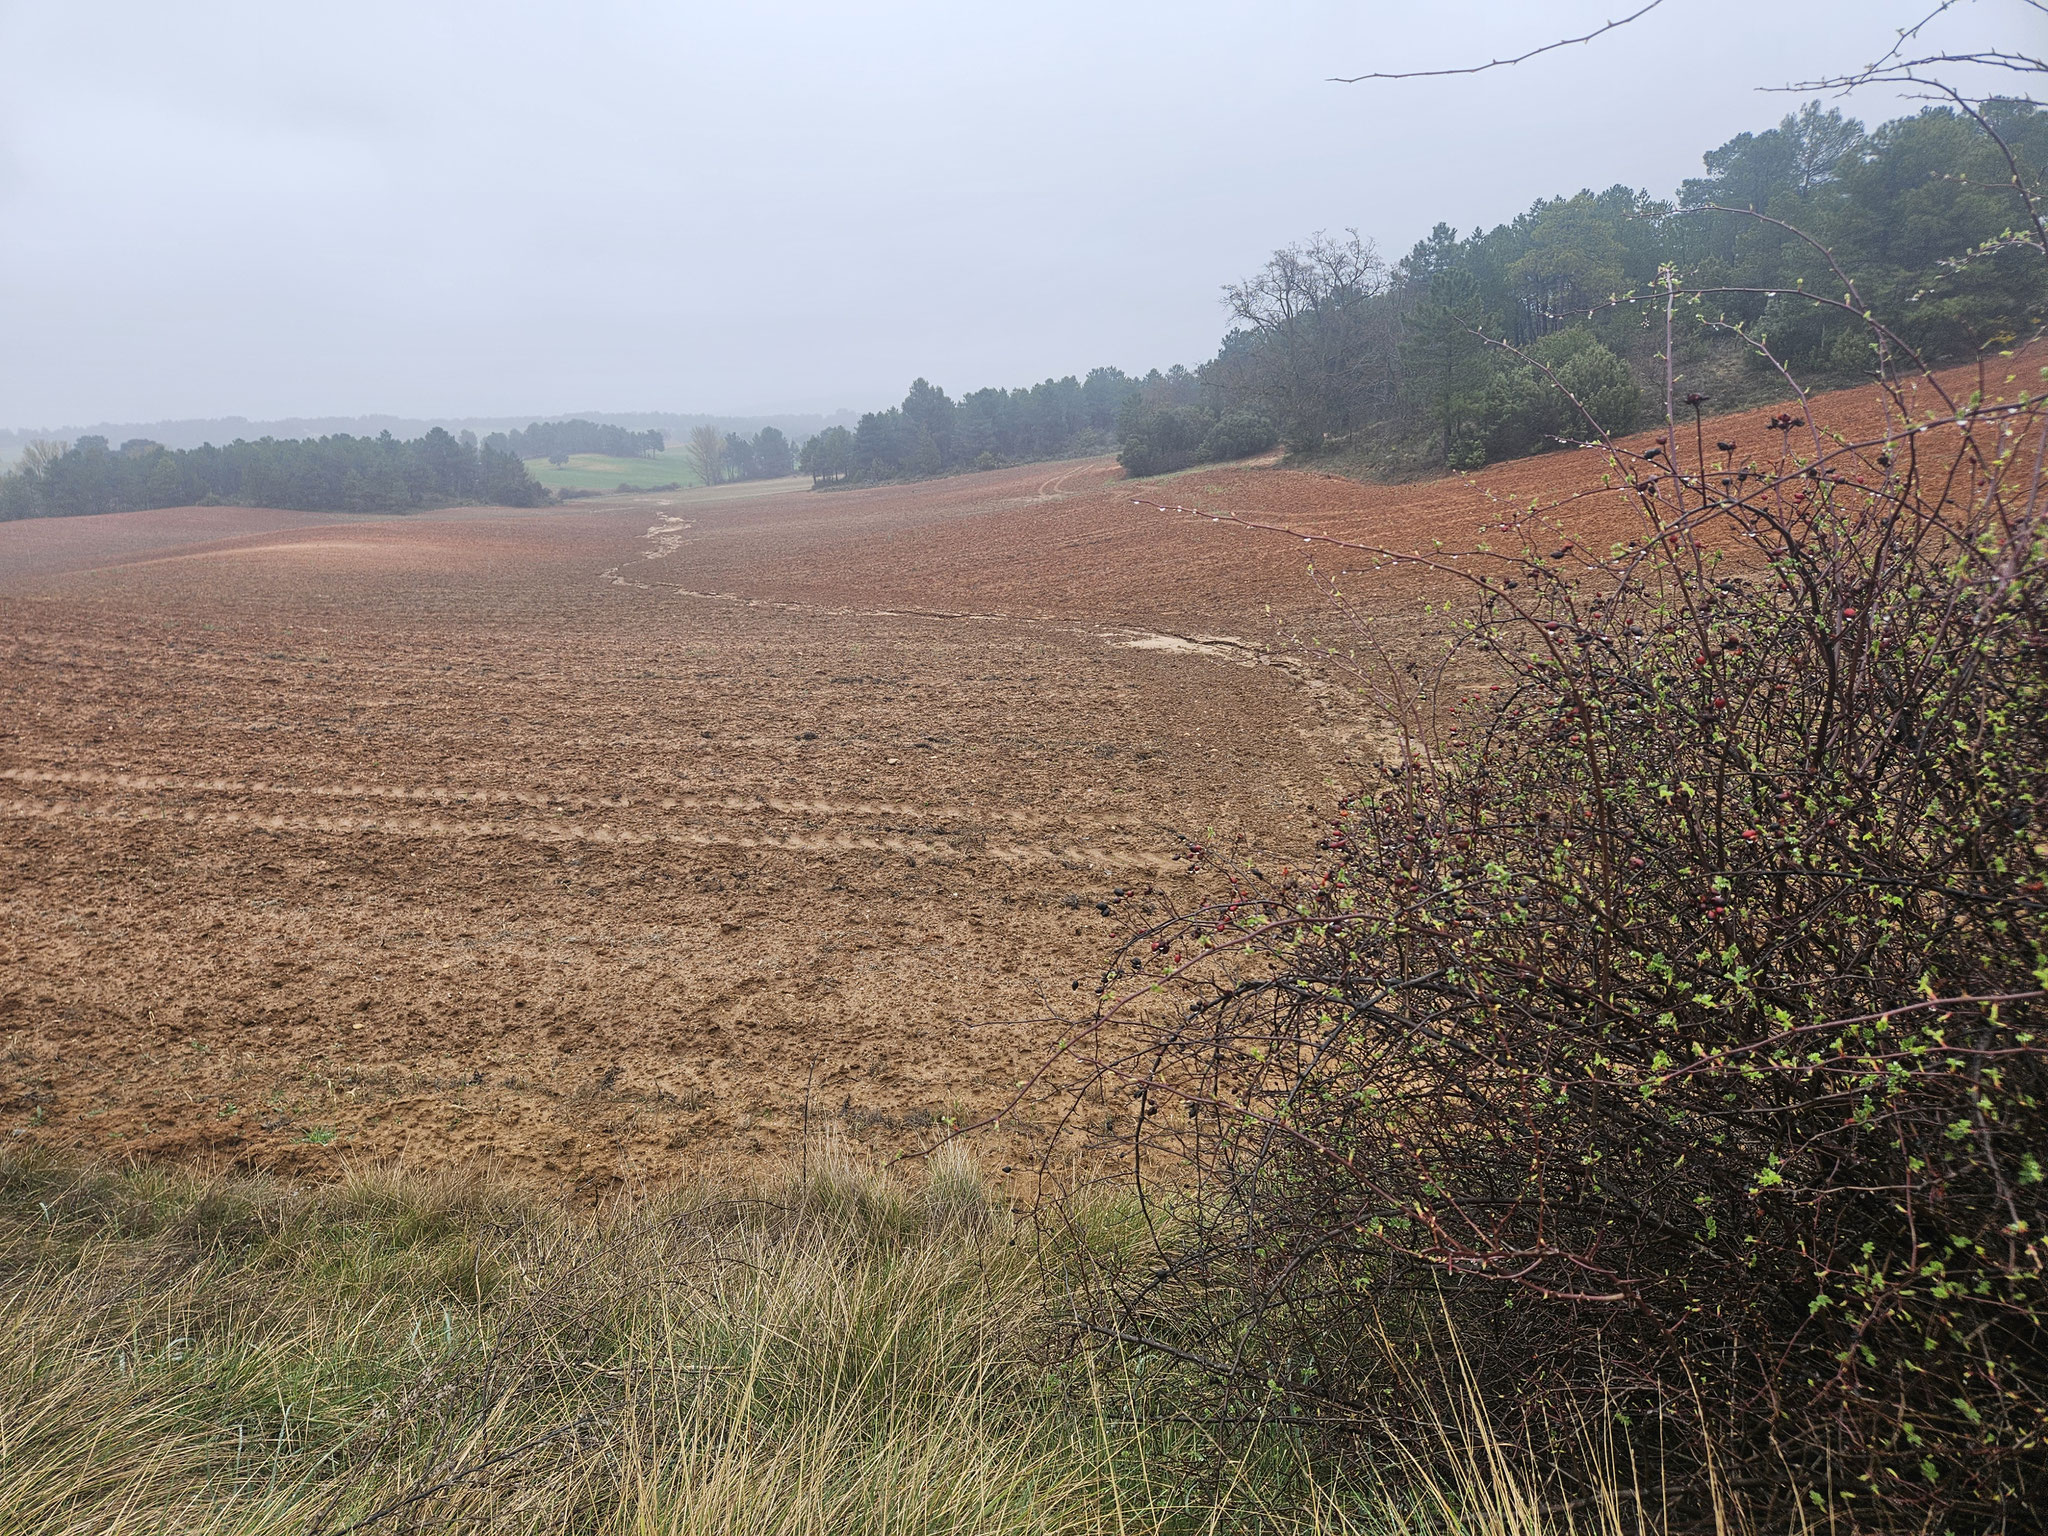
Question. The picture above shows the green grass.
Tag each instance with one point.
(605, 472)
(834, 1351)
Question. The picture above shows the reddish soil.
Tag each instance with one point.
(608, 852)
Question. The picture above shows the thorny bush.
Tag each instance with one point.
(1656, 1062)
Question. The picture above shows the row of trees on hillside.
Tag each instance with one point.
(930, 433)
(559, 439)
(1332, 343)
(327, 474)
(1453, 355)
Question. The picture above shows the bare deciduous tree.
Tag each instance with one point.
(41, 454)
(707, 453)
(1313, 308)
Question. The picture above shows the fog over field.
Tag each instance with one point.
(463, 210)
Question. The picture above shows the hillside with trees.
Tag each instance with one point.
(327, 474)
(1453, 355)
(1448, 356)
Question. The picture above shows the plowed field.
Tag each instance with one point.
(619, 840)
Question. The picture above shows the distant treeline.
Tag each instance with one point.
(552, 439)
(767, 455)
(932, 434)
(326, 474)
(1338, 349)
(192, 432)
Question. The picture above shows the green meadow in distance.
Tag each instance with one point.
(605, 472)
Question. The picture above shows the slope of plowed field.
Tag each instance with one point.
(617, 840)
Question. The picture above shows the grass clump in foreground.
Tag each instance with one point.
(838, 1351)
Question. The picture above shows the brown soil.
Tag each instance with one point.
(615, 841)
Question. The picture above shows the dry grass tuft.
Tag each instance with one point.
(838, 1351)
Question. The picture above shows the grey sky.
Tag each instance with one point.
(440, 208)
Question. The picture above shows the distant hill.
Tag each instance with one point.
(221, 430)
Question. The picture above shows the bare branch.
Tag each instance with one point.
(1477, 69)
(1894, 68)
(1903, 73)
(1907, 34)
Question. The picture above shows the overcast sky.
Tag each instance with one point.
(440, 209)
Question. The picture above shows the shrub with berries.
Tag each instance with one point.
(1658, 1061)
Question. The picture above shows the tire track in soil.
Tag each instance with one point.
(22, 809)
(1056, 486)
(537, 799)
(425, 665)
